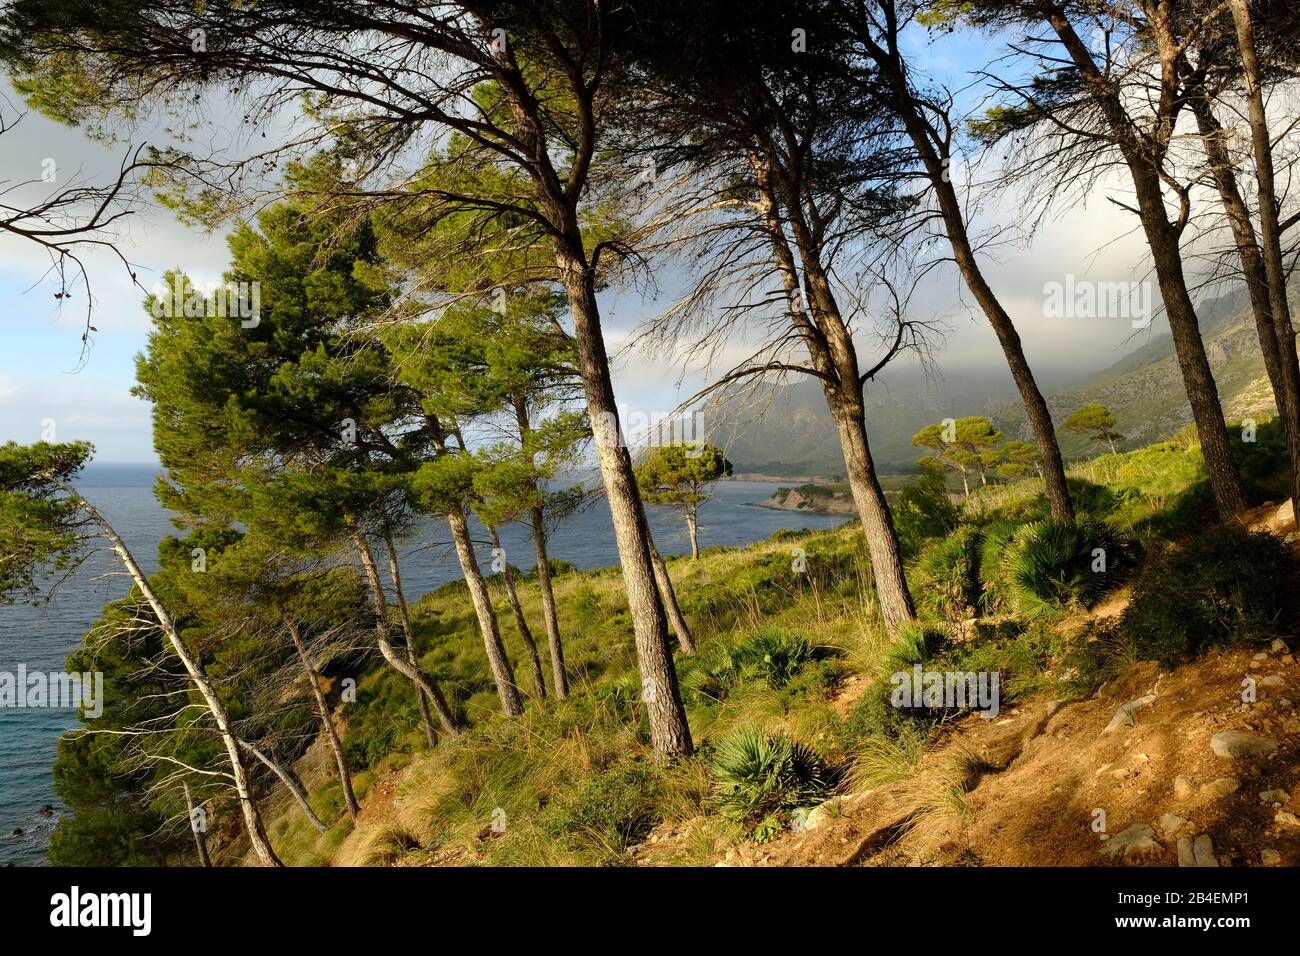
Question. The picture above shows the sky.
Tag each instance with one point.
(48, 389)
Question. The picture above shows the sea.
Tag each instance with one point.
(41, 636)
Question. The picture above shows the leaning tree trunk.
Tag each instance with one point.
(670, 733)
(200, 837)
(525, 633)
(559, 679)
(498, 661)
(290, 781)
(669, 595)
(830, 346)
(1270, 231)
(239, 773)
(1198, 379)
(896, 605)
(938, 173)
(404, 612)
(326, 719)
(1163, 238)
(693, 529)
(399, 663)
(1256, 276)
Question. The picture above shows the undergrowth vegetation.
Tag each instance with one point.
(789, 695)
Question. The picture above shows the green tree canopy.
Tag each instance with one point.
(680, 474)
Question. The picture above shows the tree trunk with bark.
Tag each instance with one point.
(400, 663)
(896, 605)
(290, 781)
(257, 838)
(404, 613)
(326, 718)
(693, 529)
(521, 622)
(938, 172)
(669, 595)
(669, 731)
(830, 348)
(498, 661)
(559, 679)
(200, 837)
(1270, 231)
(1144, 158)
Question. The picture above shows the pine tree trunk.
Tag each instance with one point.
(692, 528)
(896, 605)
(1270, 232)
(498, 662)
(200, 838)
(290, 781)
(526, 634)
(830, 347)
(669, 594)
(397, 661)
(257, 838)
(326, 719)
(404, 612)
(1198, 379)
(670, 733)
(965, 485)
(1111, 442)
(1164, 238)
(954, 219)
(559, 679)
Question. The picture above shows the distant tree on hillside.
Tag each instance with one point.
(1016, 458)
(962, 445)
(1096, 421)
(680, 474)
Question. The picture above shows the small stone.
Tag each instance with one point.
(1269, 857)
(1234, 743)
(1183, 788)
(1220, 788)
(1286, 819)
(1198, 852)
(1272, 680)
(1173, 826)
(1278, 646)
(1274, 796)
(1136, 843)
(1261, 656)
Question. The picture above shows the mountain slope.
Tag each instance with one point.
(790, 432)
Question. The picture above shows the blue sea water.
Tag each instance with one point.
(41, 637)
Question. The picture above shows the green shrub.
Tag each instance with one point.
(994, 543)
(612, 811)
(773, 656)
(924, 512)
(757, 775)
(951, 588)
(1049, 565)
(1222, 588)
(588, 608)
(914, 643)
